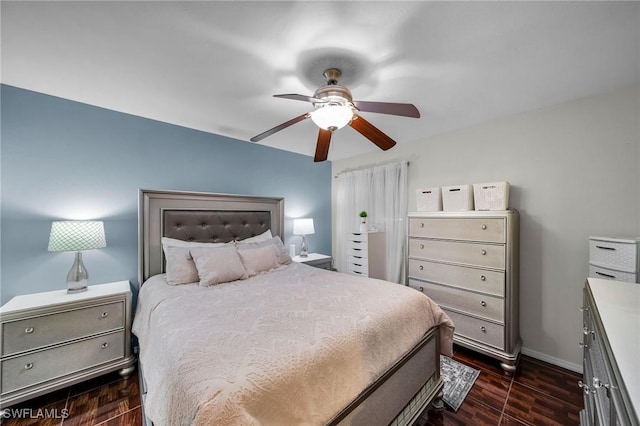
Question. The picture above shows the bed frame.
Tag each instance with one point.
(397, 398)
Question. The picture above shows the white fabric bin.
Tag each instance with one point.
(491, 196)
(457, 198)
(429, 199)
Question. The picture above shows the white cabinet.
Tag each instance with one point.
(467, 262)
(614, 258)
(52, 340)
(367, 254)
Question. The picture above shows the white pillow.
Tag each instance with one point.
(283, 256)
(261, 259)
(172, 242)
(266, 235)
(218, 265)
(180, 267)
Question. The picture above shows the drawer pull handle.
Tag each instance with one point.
(421, 246)
(484, 330)
(484, 252)
(28, 366)
(483, 278)
(28, 330)
(484, 227)
(421, 225)
(483, 303)
(606, 248)
(105, 345)
(421, 267)
(421, 288)
(104, 314)
(605, 275)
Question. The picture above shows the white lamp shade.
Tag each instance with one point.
(76, 235)
(332, 117)
(303, 226)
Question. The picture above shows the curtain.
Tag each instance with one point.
(382, 192)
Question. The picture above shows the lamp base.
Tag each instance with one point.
(303, 248)
(78, 277)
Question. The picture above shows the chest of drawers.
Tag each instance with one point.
(611, 345)
(468, 263)
(367, 254)
(615, 258)
(52, 340)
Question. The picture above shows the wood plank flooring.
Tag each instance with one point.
(538, 394)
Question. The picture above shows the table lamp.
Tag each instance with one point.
(303, 227)
(77, 235)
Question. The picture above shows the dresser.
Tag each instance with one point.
(53, 339)
(611, 348)
(615, 258)
(468, 263)
(367, 254)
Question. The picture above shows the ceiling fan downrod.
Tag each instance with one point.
(332, 75)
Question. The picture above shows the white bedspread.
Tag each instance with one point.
(289, 347)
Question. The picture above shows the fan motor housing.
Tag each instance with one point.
(333, 94)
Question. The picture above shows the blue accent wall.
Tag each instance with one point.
(62, 159)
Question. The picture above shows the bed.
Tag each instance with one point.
(282, 342)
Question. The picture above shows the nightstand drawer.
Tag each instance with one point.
(472, 229)
(477, 329)
(477, 254)
(482, 305)
(40, 366)
(45, 330)
(482, 280)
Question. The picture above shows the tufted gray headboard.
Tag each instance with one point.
(202, 217)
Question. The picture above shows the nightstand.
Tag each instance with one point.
(317, 260)
(53, 339)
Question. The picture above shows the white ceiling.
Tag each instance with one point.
(215, 65)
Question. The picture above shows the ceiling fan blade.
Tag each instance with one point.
(322, 147)
(297, 97)
(405, 110)
(372, 133)
(280, 127)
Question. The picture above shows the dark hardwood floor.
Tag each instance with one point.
(538, 394)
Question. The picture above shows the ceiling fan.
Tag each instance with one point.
(334, 108)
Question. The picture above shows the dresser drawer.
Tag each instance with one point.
(482, 280)
(45, 330)
(477, 329)
(40, 366)
(613, 254)
(611, 274)
(358, 252)
(358, 268)
(485, 306)
(477, 254)
(473, 229)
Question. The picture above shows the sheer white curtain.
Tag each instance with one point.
(382, 192)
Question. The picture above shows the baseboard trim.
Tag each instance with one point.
(552, 360)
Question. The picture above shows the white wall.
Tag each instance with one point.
(574, 172)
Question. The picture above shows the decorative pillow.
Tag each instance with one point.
(266, 235)
(218, 265)
(261, 259)
(283, 256)
(180, 268)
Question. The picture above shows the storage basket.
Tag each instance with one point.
(457, 198)
(429, 199)
(491, 196)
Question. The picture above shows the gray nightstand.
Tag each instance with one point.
(53, 339)
(318, 260)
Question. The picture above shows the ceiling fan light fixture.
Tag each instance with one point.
(332, 116)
